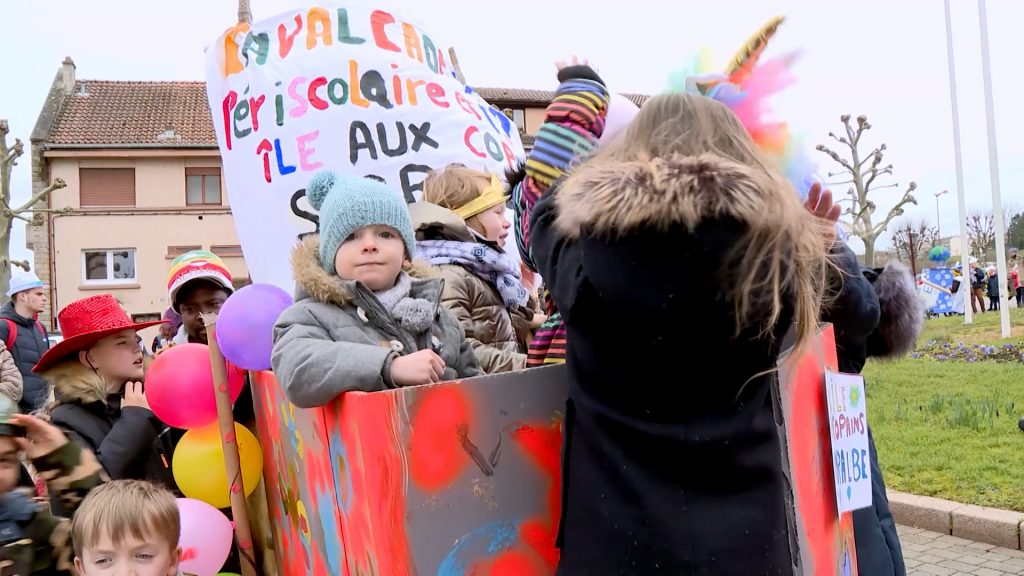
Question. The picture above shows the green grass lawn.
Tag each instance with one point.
(949, 429)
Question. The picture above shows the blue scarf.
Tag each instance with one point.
(483, 261)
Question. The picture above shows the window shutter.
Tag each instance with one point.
(106, 186)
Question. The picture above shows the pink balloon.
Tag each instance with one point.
(205, 537)
(179, 386)
(621, 112)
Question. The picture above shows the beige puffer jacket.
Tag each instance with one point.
(498, 337)
(11, 383)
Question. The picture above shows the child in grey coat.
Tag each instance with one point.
(365, 317)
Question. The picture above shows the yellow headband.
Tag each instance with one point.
(491, 196)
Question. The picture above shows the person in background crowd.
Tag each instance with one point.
(978, 286)
(165, 337)
(11, 383)
(993, 289)
(25, 337)
(1016, 288)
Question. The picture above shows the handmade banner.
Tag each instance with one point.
(348, 86)
(851, 455)
(821, 538)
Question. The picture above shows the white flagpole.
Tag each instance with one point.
(993, 168)
(965, 245)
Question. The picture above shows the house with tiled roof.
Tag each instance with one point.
(144, 184)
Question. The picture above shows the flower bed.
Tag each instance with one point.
(960, 352)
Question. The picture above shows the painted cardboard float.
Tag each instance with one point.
(464, 478)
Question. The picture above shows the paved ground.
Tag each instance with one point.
(932, 554)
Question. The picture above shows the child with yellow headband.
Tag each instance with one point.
(461, 229)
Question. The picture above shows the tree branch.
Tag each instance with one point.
(27, 206)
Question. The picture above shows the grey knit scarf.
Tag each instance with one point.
(414, 314)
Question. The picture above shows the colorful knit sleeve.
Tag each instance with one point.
(572, 126)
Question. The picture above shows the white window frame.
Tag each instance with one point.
(86, 281)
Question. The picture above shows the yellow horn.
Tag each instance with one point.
(747, 56)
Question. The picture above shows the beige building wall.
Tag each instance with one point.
(159, 222)
(534, 118)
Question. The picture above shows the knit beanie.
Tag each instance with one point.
(347, 203)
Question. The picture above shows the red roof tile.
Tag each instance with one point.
(102, 113)
(520, 96)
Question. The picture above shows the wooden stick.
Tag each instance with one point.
(455, 65)
(232, 464)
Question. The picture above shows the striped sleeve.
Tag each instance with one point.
(574, 122)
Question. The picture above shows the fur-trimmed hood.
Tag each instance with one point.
(619, 197)
(901, 315)
(312, 281)
(74, 382)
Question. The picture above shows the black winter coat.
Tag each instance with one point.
(29, 346)
(128, 441)
(856, 315)
(671, 460)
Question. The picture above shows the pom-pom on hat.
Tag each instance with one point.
(347, 203)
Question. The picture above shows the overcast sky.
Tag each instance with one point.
(882, 58)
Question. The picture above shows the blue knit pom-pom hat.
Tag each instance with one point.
(347, 203)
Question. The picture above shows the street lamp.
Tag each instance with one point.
(938, 220)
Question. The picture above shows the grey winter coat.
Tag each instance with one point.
(337, 337)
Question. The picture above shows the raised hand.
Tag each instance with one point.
(819, 202)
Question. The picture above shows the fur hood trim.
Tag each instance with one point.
(619, 197)
(313, 281)
(75, 383)
(901, 313)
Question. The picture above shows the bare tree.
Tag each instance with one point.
(912, 239)
(981, 232)
(244, 12)
(862, 173)
(27, 212)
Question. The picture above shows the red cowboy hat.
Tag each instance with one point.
(86, 322)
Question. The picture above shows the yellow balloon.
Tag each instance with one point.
(198, 464)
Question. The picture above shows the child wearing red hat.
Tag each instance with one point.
(97, 372)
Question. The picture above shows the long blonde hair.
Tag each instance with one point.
(706, 165)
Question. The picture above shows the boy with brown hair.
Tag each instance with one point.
(127, 527)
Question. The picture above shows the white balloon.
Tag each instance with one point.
(621, 111)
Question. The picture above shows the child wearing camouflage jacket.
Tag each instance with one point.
(31, 539)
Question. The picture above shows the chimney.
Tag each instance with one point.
(67, 71)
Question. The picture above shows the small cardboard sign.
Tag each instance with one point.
(848, 424)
